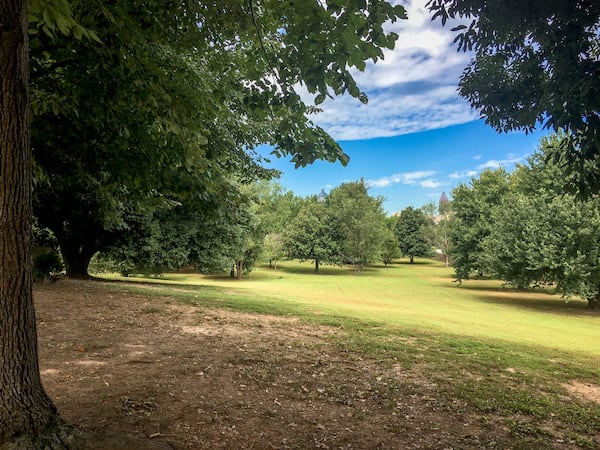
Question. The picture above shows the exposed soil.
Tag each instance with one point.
(119, 363)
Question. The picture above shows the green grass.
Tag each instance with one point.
(403, 296)
(504, 352)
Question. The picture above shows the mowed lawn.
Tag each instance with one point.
(420, 297)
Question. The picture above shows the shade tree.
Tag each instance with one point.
(542, 234)
(471, 221)
(390, 249)
(313, 235)
(253, 55)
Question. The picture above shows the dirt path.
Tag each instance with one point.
(121, 363)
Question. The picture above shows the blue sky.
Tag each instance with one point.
(416, 138)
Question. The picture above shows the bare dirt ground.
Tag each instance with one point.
(119, 363)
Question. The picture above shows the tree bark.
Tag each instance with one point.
(239, 269)
(316, 265)
(26, 411)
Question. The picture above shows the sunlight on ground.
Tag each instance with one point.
(421, 296)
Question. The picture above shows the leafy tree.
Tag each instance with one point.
(543, 235)
(535, 61)
(264, 40)
(273, 248)
(390, 249)
(101, 162)
(276, 208)
(411, 232)
(471, 222)
(361, 222)
(313, 234)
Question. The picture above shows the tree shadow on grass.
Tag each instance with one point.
(324, 270)
(535, 301)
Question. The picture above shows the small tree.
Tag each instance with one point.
(471, 223)
(361, 222)
(411, 232)
(312, 234)
(273, 248)
(390, 249)
(441, 238)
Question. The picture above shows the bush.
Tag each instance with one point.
(47, 263)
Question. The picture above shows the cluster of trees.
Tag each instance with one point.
(346, 227)
(156, 112)
(527, 228)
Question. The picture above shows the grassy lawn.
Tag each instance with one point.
(420, 296)
(507, 353)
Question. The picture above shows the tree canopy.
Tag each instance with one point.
(535, 61)
(471, 221)
(542, 234)
(313, 234)
(360, 221)
(168, 110)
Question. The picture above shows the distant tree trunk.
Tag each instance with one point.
(412, 259)
(594, 301)
(77, 259)
(446, 260)
(28, 418)
(316, 265)
(239, 269)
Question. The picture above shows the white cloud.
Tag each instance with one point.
(401, 178)
(413, 89)
(424, 178)
(431, 184)
(463, 174)
(508, 161)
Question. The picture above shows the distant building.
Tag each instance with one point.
(443, 207)
(443, 204)
(322, 196)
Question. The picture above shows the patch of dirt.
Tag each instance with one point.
(583, 391)
(119, 363)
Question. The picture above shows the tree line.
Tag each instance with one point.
(347, 226)
(526, 228)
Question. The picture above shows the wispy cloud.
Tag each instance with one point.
(413, 89)
(508, 161)
(425, 178)
(417, 177)
(462, 174)
(431, 184)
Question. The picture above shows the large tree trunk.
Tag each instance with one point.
(28, 419)
(76, 259)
